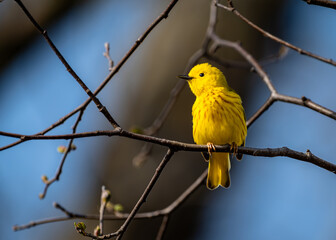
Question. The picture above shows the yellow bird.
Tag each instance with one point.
(218, 119)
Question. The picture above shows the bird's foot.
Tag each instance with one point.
(211, 148)
(234, 148)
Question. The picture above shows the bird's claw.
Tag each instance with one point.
(234, 148)
(211, 148)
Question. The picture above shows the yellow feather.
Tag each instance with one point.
(218, 171)
(218, 118)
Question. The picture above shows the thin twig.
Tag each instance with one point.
(137, 43)
(211, 25)
(306, 102)
(44, 33)
(107, 55)
(141, 200)
(162, 228)
(58, 172)
(322, 3)
(139, 159)
(228, 63)
(275, 96)
(274, 38)
(248, 57)
(184, 196)
(105, 197)
(67, 151)
(260, 111)
(303, 101)
(54, 125)
(120, 216)
(145, 194)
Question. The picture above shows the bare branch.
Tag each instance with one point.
(145, 194)
(44, 33)
(179, 146)
(120, 216)
(260, 111)
(303, 101)
(143, 155)
(67, 151)
(137, 206)
(162, 228)
(54, 125)
(207, 51)
(107, 55)
(137, 43)
(274, 38)
(248, 57)
(105, 197)
(322, 3)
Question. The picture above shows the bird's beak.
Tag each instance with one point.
(185, 77)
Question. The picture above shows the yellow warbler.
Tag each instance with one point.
(218, 118)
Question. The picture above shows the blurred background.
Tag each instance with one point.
(270, 198)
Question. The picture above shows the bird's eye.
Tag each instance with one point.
(201, 75)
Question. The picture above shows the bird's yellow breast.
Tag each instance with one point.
(218, 117)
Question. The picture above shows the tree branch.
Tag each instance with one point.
(105, 197)
(107, 55)
(162, 228)
(44, 33)
(145, 194)
(306, 102)
(274, 38)
(67, 151)
(322, 3)
(137, 43)
(120, 216)
(260, 111)
(137, 206)
(180, 146)
(248, 57)
(174, 146)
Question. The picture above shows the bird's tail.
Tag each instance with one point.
(218, 170)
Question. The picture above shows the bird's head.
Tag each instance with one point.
(204, 77)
